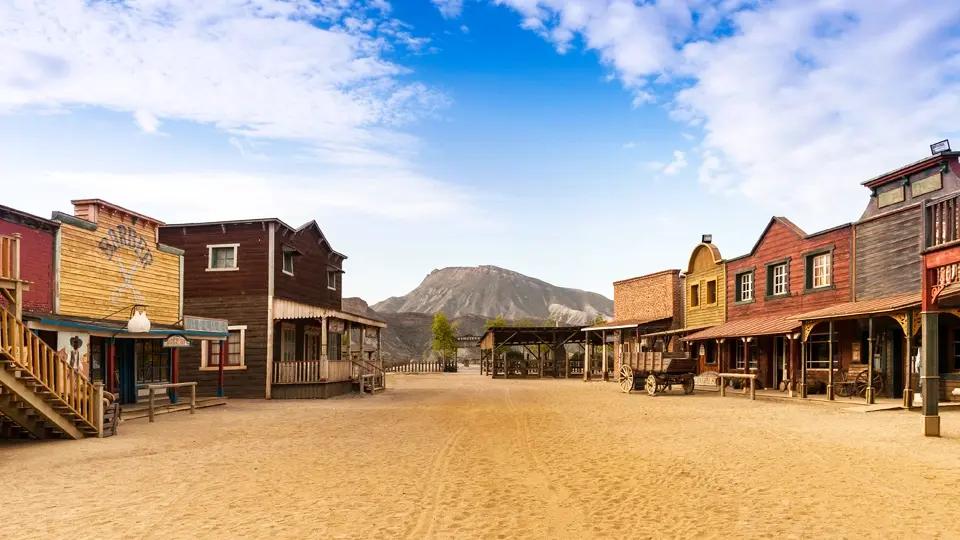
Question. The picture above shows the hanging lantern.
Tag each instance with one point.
(139, 323)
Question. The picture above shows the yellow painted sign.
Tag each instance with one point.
(105, 271)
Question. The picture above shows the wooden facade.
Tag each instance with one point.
(281, 290)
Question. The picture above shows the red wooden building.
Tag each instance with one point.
(786, 273)
(280, 287)
(37, 237)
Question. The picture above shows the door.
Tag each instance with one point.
(125, 371)
(897, 368)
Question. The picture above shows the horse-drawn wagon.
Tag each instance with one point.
(657, 372)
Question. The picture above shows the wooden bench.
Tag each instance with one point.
(724, 377)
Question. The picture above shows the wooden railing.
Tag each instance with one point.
(10, 257)
(942, 221)
(311, 371)
(432, 366)
(152, 389)
(53, 375)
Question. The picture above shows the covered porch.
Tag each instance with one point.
(321, 352)
(628, 340)
(519, 352)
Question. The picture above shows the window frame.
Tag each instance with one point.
(283, 262)
(808, 269)
(716, 296)
(771, 269)
(695, 295)
(210, 258)
(334, 274)
(206, 356)
(284, 328)
(812, 340)
(738, 286)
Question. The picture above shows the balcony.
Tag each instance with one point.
(941, 222)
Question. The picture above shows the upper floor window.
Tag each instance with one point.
(694, 295)
(712, 292)
(332, 280)
(288, 262)
(222, 257)
(819, 270)
(744, 287)
(778, 279)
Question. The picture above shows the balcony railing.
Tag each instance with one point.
(942, 221)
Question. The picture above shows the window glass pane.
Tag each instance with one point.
(821, 270)
(695, 295)
(223, 257)
(711, 292)
(288, 262)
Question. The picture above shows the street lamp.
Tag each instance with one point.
(138, 323)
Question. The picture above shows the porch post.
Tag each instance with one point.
(871, 399)
(830, 362)
(111, 364)
(907, 361)
(930, 377)
(586, 357)
(224, 345)
(604, 363)
(746, 355)
(791, 371)
(803, 364)
(174, 373)
(324, 321)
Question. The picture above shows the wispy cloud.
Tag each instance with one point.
(630, 144)
(789, 95)
(147, 122)
(679, 162)
(450, 9)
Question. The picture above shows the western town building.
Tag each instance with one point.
(281, 289)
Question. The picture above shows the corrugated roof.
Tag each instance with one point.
(625, 323)
(677, 331)
(758, 326)
(863, 307)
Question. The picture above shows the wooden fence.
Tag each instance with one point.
(311, 371)
(432, 366)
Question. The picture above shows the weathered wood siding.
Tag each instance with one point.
(245, 310)
(311, 391)
(252, 255)
(652, 297)
(116, 265)
(777, 244)
(308, 284)
(948, 181)
(888, 254)
(36, 260)
(702, 269)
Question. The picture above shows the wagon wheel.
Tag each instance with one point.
(651, 385)
(861, 384)
(688, 385)
(626, 379)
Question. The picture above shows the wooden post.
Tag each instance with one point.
(111, 364)
(224, 345)
(791, 367)
(746, 355)
(18, 288)
(586, 357)
(803, 364)
(870, 390)
(150, 410)
(830, 361)
(723, 386)
(907, 362)
(930, 376)
(98, 407)
(753, 388)
(193, 398)
(604, 363)
(174, 373)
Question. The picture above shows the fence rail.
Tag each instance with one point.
(311, 371)
(942, 221)
(432, 366)
(9, 257)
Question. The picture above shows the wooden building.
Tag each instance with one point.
(107, 266)
(641, 306)
(280, 287)
(36, 255)
(786, 273)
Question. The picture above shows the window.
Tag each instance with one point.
(694, 295)
(332, 280)
(222, 257)
(738, 354)
(778, 279)
(712, 292)
(288, 343)
(819, 270)
(210, 355)
(744, 287)
(311, 343)
(288, 263)
(819, 347)
(334, 346)
(152, 361)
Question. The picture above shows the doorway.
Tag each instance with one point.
(779, 361)
(125, 371)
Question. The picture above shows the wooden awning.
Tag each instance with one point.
(677, 331)
(863, 308)
(757, 326)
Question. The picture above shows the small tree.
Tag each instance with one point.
(444, 336)
(524, 323)
(496, 322)
(599, 320)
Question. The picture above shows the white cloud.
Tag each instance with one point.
(679, 162)
(147, 122)
(450, 9)
(807, 96)
(389, 194)
(310, 71)
(630, 144)
(465, 29)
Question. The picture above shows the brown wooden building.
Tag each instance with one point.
(786, 273)
(281, 289)
(641, 306)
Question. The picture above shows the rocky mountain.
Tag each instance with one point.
(488, 291)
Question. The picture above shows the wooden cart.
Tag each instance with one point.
(657, 372)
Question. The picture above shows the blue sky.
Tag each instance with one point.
(577, 141)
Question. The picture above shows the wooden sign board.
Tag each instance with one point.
(204, 324)
(335, 326)
(176, 341)
(856, 353)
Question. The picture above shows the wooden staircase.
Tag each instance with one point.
(369, 377)
(41, 395)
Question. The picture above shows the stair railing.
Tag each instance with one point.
(364, 365)
(53, 375)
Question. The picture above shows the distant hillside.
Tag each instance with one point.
(489, 291)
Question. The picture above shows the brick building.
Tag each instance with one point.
(37, 238)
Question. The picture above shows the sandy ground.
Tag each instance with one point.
(458, 456)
